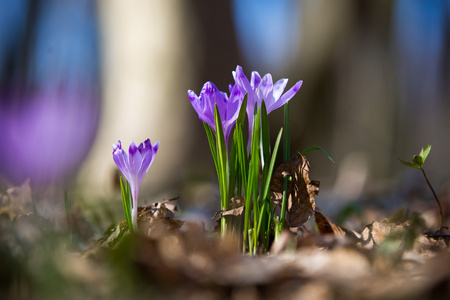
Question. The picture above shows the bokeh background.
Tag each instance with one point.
(76, 76)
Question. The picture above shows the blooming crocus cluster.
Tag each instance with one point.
(233, 170)
(134, 165)
(257, 89)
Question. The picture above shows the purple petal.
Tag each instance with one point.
(241, 79)
(255, 79)
(148, 155)
(201, 106)
(221, 101)
(155, 147)
(209, 95)
(134, 159)
(120, 158)
(117, 147)
(286, 97)
(145, 149)
(194, 99)
(235, 101)
(278, 88)
(265, 90)
(196, 103)
(209, 88)
(144, 146)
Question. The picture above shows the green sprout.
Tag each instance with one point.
(417, 162)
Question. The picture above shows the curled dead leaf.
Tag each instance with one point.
(326, 226)
(234, 211)
(301, 190)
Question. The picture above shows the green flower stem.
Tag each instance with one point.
(265, 151)
(287, 133)
(286, 156)
(283, 204)
(222, 163)
(441, 213)
(251, 191)
(233, 167)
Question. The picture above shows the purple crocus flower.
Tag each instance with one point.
(259, 89)
(228, 106)
(133, 166)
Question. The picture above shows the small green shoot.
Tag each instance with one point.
(417, 162)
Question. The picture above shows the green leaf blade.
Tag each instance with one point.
(211, 140)
(222, 163)
(410, 164)
(266, 185)
(126, 202)
(304, 152)
(265, 136)
(424, 153)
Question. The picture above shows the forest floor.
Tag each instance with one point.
(396, 257)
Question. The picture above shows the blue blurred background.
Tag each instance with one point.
(49, 88)
(76, 76)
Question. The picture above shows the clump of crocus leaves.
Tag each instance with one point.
(417, 162)
(244, 167)
(133, 165)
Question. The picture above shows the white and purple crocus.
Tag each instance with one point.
(259, 89)
(134, 165)
(228, 107)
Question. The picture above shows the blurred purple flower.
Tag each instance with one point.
(134, 166)
(263, 89)
(47, 139)
(49, 88)
(228, 106)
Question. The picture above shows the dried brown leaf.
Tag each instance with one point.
(237, 208)
(301, 190)
(157, 220)
(326, 226)
(233, 212)
(374, 233)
